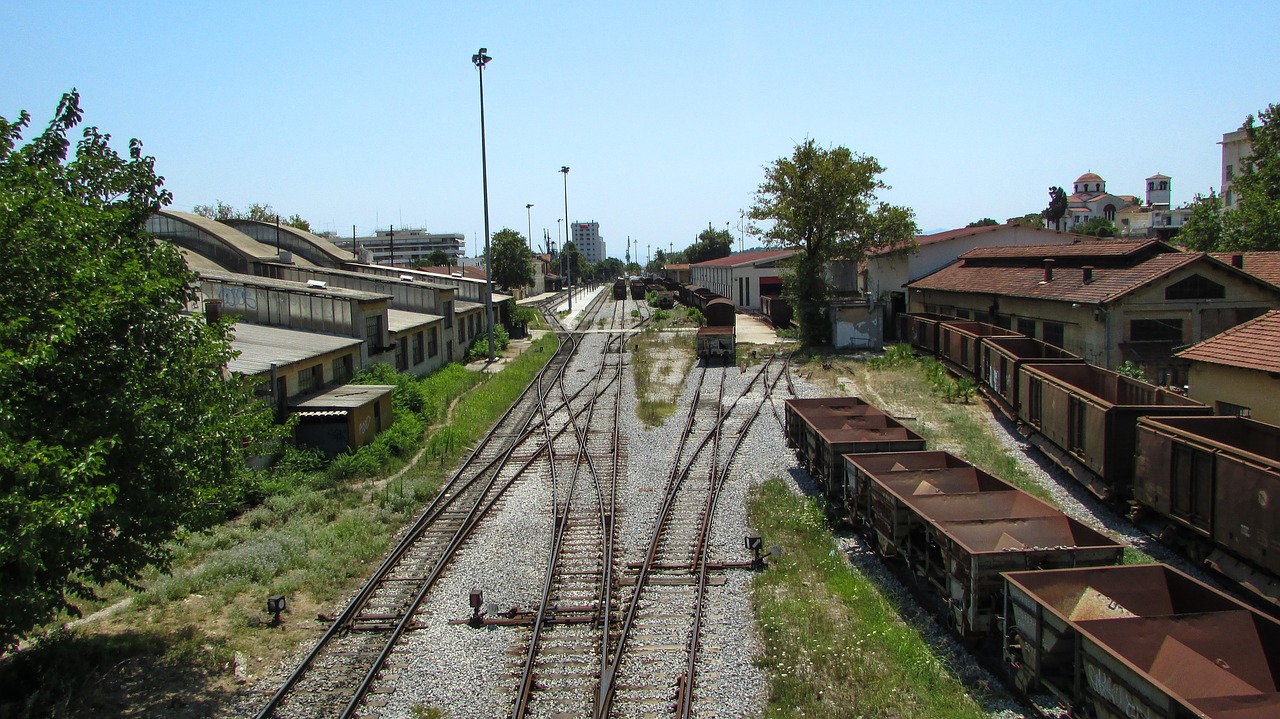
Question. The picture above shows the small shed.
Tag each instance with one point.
(343, 418)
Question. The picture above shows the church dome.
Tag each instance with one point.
(1088, 177)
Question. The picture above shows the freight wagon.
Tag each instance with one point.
(1215, 483)
(716, 344)
(1140, 641)
(830, 432)
(958, 343)
(1003, 359)
(958, 528)
(1086, 420)
(620, 289)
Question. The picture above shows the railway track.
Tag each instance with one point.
(335, 677)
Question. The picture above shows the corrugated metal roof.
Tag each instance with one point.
(1252, 345)
(401, 320)
(260, 346)
(347, 396)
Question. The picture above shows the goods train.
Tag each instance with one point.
(1016, 574)
(1206, 484)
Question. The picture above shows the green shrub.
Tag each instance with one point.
(479, 349)
(695, 316)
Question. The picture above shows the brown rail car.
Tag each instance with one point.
(1004, 357)
(1086, 420)
(828, 434)
(1216, 482)
(959, 340)
(719, 312)
(716, 344)
(921, 330)
(1140, 641)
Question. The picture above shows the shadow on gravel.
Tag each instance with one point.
(151, 673)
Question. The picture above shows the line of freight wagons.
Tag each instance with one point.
(1106, 641)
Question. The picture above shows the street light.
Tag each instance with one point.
(564, 170)
(528, 213)
(480, 59)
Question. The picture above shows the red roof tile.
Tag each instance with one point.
(743, 258)
(1252, 345)
(1263, 265)
(1085, 249)
(967, 232)
(1067, 285)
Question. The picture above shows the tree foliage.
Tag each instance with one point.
(711, 245)
(573, 263)
(823, 204)
(1254, 223)
(117, 427)
(1096, 227)
(1203, 227)
(1057, 208)
(256, 211)
(1031, 219)
(984, 222)
(512, 259)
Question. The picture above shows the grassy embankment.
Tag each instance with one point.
(184, 641)
(835, 646)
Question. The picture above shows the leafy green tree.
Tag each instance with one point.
(1096, 227)
(257, 211)
(1254, 223)
(1057, 208)
(609, 268)
(573, 262)
(1203, 228)
(1031, 219)
(118, 428)
(823, 204)
(984, 222)
(512, 260)
(712, 244)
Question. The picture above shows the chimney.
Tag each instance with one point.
(1048, 270)
(1237, 261)
(1088, 274)
(212, 311)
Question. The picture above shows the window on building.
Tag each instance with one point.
(1164, 330)
(311, 379)
(1195, 287)
(402, 354)
(419, 348)
(373, 332)
(1053, 333)
(448, 315)
(433, 342)
(1151, 185)
(1164, 185)
(341, 369)
(1026, 327)
(1228, 200)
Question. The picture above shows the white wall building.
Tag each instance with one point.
(742, 277)
(409, 245)
(586, 237)
(1235, 147)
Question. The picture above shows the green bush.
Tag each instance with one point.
(479, 349)
(652, 298)
(695, 316)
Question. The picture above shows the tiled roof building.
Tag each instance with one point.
(1106, 301)
(1238, 371)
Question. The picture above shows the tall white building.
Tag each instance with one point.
(586, 237)
(409, 245)
(1235, 147)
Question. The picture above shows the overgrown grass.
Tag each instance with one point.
(659, 362)
(313, 540)
(834, 645)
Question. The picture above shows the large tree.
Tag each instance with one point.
(512, 259)
(711, 244)
(1202, 229)
(1057, 208)
(1254, 222)
(823, 204)
(117, 425)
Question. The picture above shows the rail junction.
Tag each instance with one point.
(600, 621)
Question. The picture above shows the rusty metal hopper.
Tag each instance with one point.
(1024, 535)
(954, 480)
(1006, 504)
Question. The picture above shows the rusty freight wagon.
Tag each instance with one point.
(1215, 482)
(903, 503)
(829, 434)
(777, 310)
(927, 468)
(1086, 420)
(637, 289)
(797, 411)
(1002, 360)
(620, 289)
(1140, 641)
(921, 330)
(958, 343)
(719, 312)
(716, 344)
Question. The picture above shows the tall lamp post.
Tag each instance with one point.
(528, 214)
(564, 170)
(480, 59)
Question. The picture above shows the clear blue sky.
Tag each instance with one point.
(665, 112)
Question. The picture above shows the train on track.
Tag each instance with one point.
(1014, 575)
(1208, 485)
